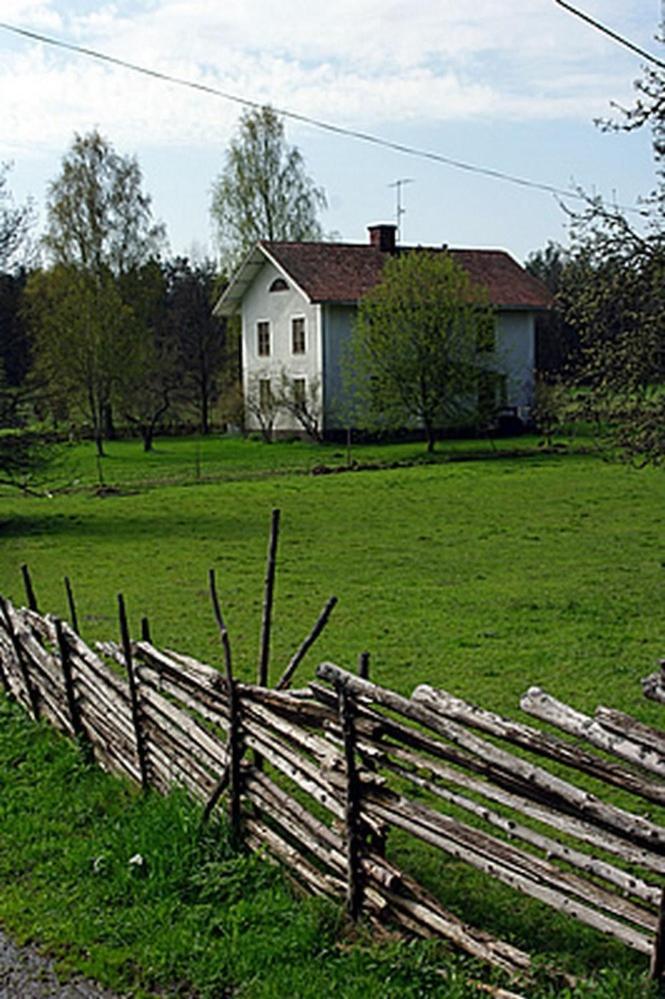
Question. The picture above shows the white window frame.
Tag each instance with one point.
(303, 320)
(259, 324)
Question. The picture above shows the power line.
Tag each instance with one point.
(306, 119)
(612, 34)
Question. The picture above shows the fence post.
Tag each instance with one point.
(145, 630)
(29, 589)
(269, 588)
(658, 953)
(141, 748)
(72, 703)
(363, 665)
(354, 889)
(231, 777)
(73, 616)
(33, 697)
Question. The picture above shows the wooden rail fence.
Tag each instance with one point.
(336, 765)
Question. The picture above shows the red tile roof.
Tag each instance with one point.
(344, 272)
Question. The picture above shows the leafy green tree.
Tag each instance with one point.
(150, 380)
(99, 234)
(263, 191)
(15, 224)
(84, 341)
(199, 337)
(420, 345)
(557, 342)
(98, 217)
(613, 293)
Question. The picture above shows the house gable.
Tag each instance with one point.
(324, 283)
(285, 320)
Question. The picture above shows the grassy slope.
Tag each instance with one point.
(480, 577)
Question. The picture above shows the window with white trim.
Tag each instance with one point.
(263, 338)
(299, 391)
(265, 394)
(298, 335)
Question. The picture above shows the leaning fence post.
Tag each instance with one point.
(658, 953)
(145, 630)
(354, 889)
(269, 588)
(141, 748)
(70, 692)
(231, 776)
(73, 616)
(29, 589)
(33, 697)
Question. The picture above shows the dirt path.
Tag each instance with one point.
(26, 974)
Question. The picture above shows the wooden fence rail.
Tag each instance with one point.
(318, 777)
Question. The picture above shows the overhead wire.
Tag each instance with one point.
(626, 42)
(340, 130)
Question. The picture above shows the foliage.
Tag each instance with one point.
(86, 312)
(25, 461)
(557, 342)
(198, 337)
(613, 293)
(15, 224)
(15, 358)
(301, 400)
(262, 402)
(82, 334)
(419, 345)
(98, 218)
(263, 191)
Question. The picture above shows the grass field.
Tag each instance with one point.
(482, 576)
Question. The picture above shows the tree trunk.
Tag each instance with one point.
(107, 420)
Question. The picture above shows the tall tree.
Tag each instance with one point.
(84, 342)
(419, 348)
(98, 217)
(264, 191)
(614, 294)
(15, 223)
(99, 233)
(556, 339)
(199, 336)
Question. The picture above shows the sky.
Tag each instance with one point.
(507, 85)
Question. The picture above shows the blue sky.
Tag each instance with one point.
(512, 85)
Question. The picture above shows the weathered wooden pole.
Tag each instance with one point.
(29, 589)
(32, 694)
(73, 616)
(268, 593)
(231, 777)
(286, 677)
(363, 665)
(70, 691)
(658, 953)
(145, 630)
(141, 747)
(354, 888)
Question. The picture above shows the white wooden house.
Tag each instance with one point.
(297, 303)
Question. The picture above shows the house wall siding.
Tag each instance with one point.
(515, 349)
(337, 321)
(278, 308)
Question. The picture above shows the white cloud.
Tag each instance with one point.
(363, 63)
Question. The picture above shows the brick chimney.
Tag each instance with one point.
(382, 237)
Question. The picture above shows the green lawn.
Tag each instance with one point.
(195, 459)
(483, 577)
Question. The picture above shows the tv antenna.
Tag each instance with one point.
(399, 211)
